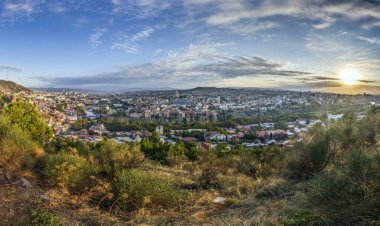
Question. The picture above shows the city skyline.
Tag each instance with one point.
(109, 45)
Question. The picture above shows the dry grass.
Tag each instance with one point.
(197, 210)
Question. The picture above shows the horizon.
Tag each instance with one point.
(158, 89)
(322, 46)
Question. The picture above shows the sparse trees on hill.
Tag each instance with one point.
(26, 116)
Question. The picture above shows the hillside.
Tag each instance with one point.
(331, 177)
(11, 87)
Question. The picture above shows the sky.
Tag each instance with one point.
(112, 45)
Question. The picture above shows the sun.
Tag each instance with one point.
(349, 76)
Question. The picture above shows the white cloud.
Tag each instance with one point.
(10, 68)
(129, 43)
(140, 9)
(157, 51)
(13, 11)
(203, 62)
(95, 37)
(371, 40)
(58, 8)
(325, 43)
(371, 25)
(322, 12)
(247, 29)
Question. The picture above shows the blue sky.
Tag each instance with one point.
(120, 44)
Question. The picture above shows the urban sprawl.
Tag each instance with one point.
(251, 118)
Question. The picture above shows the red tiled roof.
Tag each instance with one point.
(278, 131)
(189, 139)
(262, 133)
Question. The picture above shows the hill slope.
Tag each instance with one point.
(11, 87)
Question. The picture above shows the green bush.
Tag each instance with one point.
(25, 115)
(348, 194)
(72, 172)
(43, 218)
(303, 218)
(134, 188)
(260, 163)
(311, 156)
(237, 185)
(112, 157)
(16, 147)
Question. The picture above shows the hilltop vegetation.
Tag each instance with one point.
(332, 177)
(11, 87)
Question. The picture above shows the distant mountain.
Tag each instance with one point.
(60, 90)
(12, 87)
(139, 89)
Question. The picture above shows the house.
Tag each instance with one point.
(331, 117)
(122, 140)
(98, 128)
(160, 130)
(206, 146)
(215, 136)
(271, 142)
(279, 134)
(233, 138)
(262, 135)
(189, 139)
(147, 134)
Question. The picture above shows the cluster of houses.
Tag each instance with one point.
(62, 110)
(209, 139)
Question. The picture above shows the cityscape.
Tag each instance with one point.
(189, 112)
(262, 113)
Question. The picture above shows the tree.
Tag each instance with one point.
(26, 116)
(80, 110)
(221, 149)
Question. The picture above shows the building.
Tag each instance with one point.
(160, 130)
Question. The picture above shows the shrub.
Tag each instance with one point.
(43, 218)
(349, 191)
(303, 217)
(260, 163)
(310, 157)
(209, 168)
(112, 157)
(236, 185)
(16, 147)
(134, 188)
(25, 115)
(72, 172)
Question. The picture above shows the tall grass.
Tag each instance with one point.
(16, 148)
(67, 171)
(136, 189)
(112, 157)
(348, 194)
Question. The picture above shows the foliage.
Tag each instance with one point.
(16, 147)
(81, 124)
(236, 185)
(349, 190)
(260, 163)
(26, 116)
(44, 218)
(135, 189)
(112, 157)
(167, 153)
(301, 218)
(192, 151)
(68, 171)
(80, 110)
(310, 157)
(68, 145)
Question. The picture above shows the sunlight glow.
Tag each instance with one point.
(349, 76)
